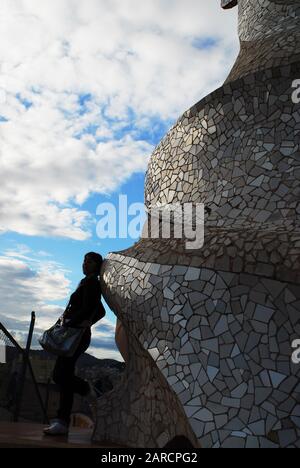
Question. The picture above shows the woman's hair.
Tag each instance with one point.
(97, 258)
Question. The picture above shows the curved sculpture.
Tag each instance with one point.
(210, 330)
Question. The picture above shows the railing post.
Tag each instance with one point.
(24, 369)
(25, 363)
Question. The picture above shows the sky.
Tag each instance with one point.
(87, 90)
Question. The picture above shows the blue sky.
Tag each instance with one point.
(70, 252)
(87, 90)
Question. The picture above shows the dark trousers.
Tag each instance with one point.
(64, 377)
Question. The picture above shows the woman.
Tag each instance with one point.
(84, 309)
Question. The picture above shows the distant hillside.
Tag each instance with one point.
(86, 360)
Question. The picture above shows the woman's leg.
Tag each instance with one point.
(64, 376)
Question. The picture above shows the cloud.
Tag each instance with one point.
(24, 288)
(29, 283)
(103, 344)
(85, 83)
(104, 336)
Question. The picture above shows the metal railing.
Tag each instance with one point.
(9, 340)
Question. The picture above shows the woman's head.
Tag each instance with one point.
(92, 264)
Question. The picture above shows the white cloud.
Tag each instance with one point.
(103, 344)
(28, 283)
(134, 61)
(25, 287)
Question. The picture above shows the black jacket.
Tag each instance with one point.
(85, 302)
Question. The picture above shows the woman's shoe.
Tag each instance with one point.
(57, 428)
